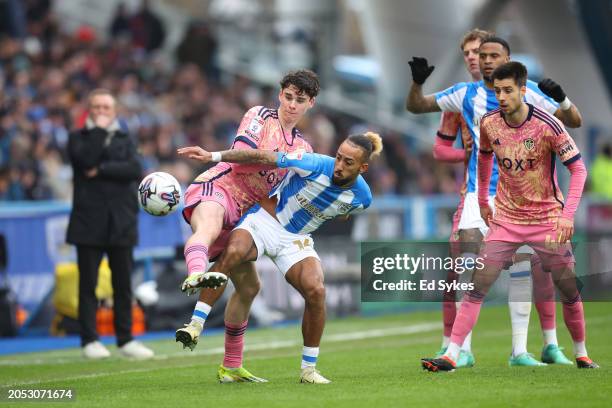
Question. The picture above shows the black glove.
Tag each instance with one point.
(552, 89)
(420, 69)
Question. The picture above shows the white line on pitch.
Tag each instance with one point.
(273, 345)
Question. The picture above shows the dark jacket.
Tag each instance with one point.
(105, 207)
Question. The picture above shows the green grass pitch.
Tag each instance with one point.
(373, 362)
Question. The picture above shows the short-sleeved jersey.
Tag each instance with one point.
(473, 100)
(307, 197)
(528, 192)
(260, 128)
(452, 125)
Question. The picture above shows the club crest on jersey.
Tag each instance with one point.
(529, 144)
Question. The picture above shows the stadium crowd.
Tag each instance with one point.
(166, 102)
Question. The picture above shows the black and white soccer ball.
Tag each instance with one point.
(159, 193)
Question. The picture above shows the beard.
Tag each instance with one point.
(341, 182)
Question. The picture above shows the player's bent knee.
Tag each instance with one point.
(233, 254)
(249, 291)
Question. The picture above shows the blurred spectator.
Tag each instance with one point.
(601, 173)
(104, 220)
(147, 29)
(13, 18)
(120, 25)
(199, 46)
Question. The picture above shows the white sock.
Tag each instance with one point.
(550, 337)
(201, 312)
(452, 351)
(580, 349)
(445, 341)
(519, 302)
(467, 343)
(309, 356)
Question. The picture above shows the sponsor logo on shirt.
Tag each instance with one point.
(311, 208)
(516, 164)
(566, 148)
(255, 127)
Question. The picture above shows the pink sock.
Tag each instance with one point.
(449, 307)
(234, 344)
(196, 256)
(573, 314)
(467, 316)
(544, 294)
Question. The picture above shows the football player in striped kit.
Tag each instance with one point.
(316, 189)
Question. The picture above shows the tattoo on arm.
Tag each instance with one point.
(249, 156)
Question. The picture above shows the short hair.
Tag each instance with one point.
(370, 142)
(475, 34)
(100, 91)
(497, 40)
(512, 69)
(304, 80)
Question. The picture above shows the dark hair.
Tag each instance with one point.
(497, 40)
(304, 80)
(370, 142)
(512, 69)
(474, 34)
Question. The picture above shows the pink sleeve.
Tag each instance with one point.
(443, 150)
(578, 175)
(485, 166)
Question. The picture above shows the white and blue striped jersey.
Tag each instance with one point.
(473, 100)
(307, 196)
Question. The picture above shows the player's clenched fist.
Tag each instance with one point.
(420, 69)
(195, 153)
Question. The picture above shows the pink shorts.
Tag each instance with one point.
(503, 239)
(455, 248)
(210, 191)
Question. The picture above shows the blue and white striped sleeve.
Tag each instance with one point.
(451, 99)
(304, 164)
(536, 97)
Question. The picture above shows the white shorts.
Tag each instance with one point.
(284, 248)
(470, 218)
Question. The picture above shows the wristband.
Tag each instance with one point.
(215, 156)
(566, 104)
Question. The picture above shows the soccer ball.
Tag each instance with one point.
(159, 193)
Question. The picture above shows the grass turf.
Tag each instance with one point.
(371, 361)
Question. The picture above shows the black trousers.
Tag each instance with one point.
(121, 262)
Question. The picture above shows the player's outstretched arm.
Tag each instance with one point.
(245, 156)
(416, 102)
(567, 113)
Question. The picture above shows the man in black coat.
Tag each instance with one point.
(104, 220)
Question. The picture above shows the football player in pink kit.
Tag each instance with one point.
(217, 198)
(529, 206)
